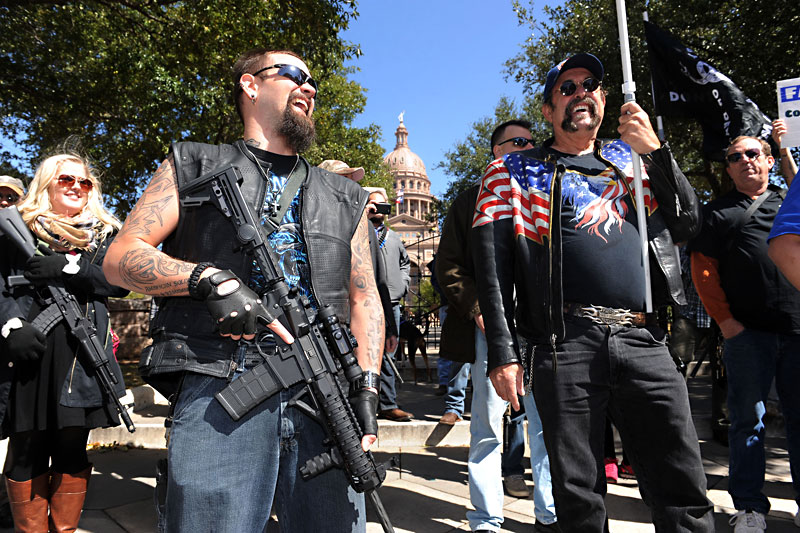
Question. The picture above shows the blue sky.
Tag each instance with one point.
(439, 60)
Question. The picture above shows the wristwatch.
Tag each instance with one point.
(368, 380)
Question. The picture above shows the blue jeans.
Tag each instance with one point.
(629, 374)
(457, 388)
(444, 366)
(225, 475)
(486, 437)
(387, 397)
(752, 360)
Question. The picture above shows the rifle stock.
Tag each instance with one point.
(13, 227)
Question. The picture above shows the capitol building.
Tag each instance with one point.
(413, 216)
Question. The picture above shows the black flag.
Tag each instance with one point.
(687, 86)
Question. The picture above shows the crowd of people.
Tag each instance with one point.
(547, 310)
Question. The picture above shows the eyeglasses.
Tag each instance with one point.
(292, 72)
(65, 180)
(751, 154)
(519, 142)
(11, 198)
(590, 85)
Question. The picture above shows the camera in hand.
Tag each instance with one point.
(383, 208)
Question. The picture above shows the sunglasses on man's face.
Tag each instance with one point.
(292, 72)
(735, 157)
(519, 142)
(10, 198)
(569, 87)
(65, 180)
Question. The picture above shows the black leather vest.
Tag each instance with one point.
(184, 334)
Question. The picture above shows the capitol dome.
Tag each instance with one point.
(402, 161)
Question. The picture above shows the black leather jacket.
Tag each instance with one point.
(510, 257)
(185, 337)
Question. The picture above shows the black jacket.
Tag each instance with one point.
(508, 259)
(185, 337)
(91, 290)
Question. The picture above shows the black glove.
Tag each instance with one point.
(237, 312)
(25, 344)
(365, 406)
(40, 268)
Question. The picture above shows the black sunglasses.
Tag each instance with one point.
(292, 72)
(735, 157)
(519, 142)
(11, 198)
(590, 85)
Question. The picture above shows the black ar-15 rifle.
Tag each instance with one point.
(309, 359)
(64, 307)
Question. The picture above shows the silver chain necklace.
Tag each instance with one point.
(273, 207)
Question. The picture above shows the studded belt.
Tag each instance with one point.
(610, 316)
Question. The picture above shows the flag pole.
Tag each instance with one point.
(659, 122)
(629, 92)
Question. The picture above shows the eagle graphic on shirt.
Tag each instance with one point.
(519, 188)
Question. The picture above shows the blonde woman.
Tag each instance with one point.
(48, 399)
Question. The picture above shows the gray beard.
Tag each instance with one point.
(568, 125)
(297, 130)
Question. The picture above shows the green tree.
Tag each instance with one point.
(754, 43)
(131, 77)
(467, 160)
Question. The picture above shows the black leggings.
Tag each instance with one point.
(29, 453)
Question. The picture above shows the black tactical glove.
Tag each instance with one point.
(25, 344)
(364, 402)
(236, 312)
(40, 268)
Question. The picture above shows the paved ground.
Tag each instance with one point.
(429, 492)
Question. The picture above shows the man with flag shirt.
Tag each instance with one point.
(560, 265)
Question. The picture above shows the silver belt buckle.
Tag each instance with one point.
(608, 315)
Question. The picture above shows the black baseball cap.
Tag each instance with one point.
(582, 60)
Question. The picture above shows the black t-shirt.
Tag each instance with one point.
(601, 252)
(760, 297)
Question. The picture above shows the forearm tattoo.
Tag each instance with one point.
(362, 282)
(152, 272)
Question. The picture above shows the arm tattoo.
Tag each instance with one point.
(362, 278)
(152, 272)
(147, 211)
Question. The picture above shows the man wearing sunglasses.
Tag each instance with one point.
(226, 475)
(11, 190)
(557, 248)
(464, 341)
(758, 312)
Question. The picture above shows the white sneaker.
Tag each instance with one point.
(748, 522)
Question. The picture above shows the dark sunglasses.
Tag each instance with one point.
(11, 198)
(735, 157)
(519, 142)
(65, 180)
(292, 72)
(590, 85)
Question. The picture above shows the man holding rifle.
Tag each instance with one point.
(557, 225)
(224, 475)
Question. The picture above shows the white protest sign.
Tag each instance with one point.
(789, 111)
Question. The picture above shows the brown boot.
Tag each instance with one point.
(67, 492)
(28, 501)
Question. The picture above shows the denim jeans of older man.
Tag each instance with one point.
(387, 398)
(752, 360)
(226, 475)
(486, 439)
(457, 388)
(628, 373)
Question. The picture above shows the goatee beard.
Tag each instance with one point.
(569, 125)
(298, 130)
